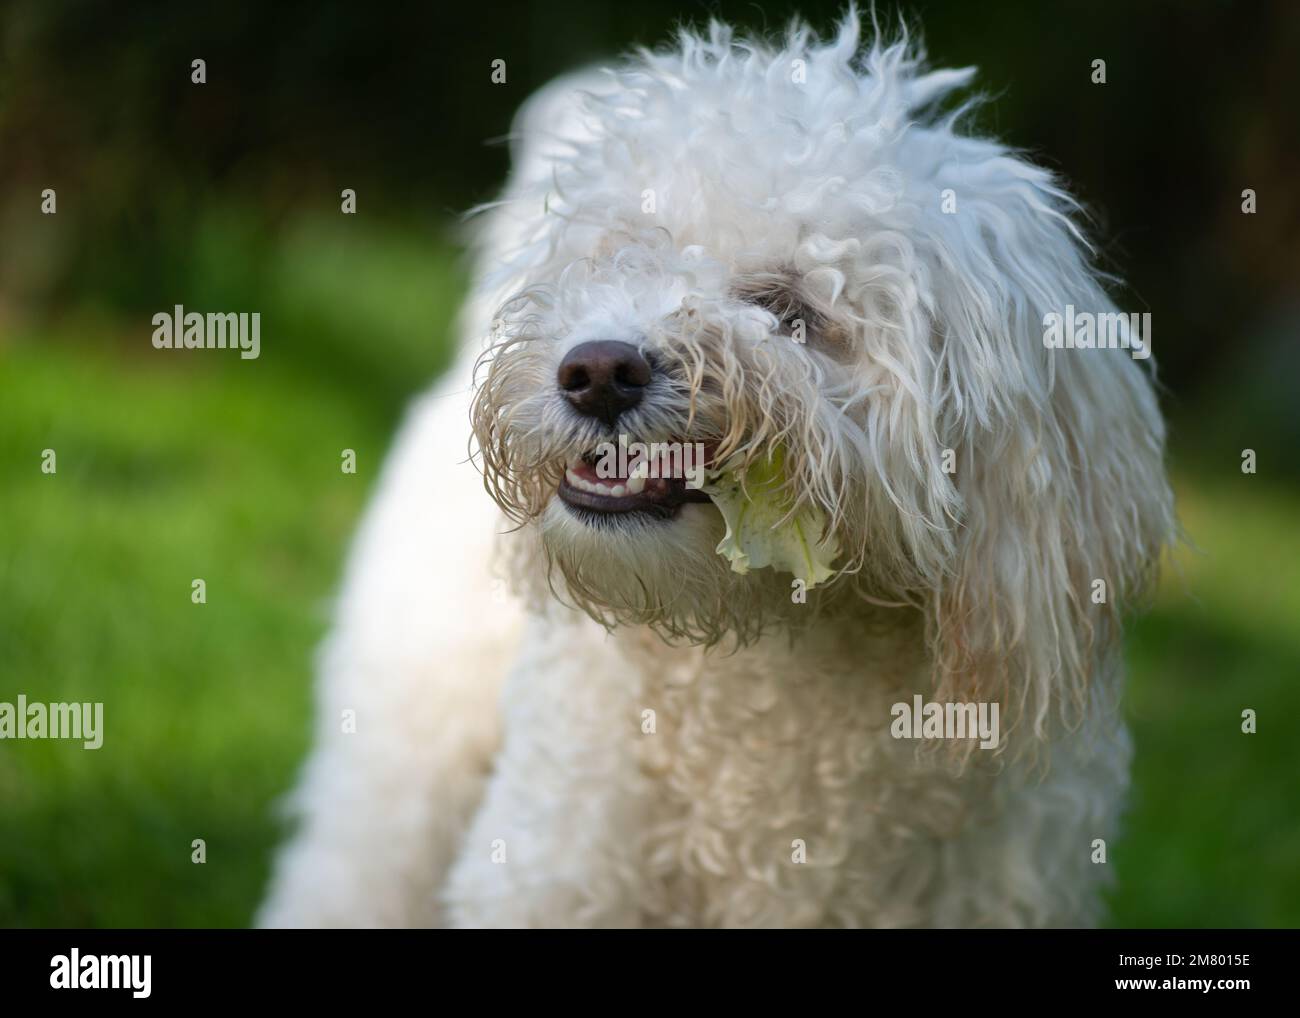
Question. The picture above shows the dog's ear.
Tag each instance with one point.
(1058, 456)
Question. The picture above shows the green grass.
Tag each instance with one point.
(161, 478)
(1213, 832)
(202, 465)
(172, 467)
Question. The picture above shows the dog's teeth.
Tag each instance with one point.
(607, 489)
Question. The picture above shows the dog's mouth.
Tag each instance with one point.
(656, 486)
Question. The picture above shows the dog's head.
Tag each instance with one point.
(783, 254)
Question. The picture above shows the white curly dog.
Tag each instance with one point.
(568, 708)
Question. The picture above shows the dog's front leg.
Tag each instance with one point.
(555, 842)
(407, 694)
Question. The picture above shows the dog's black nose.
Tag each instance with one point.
(603, 378)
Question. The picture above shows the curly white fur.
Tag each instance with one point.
(503, 772)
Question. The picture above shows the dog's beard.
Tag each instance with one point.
(636, 570)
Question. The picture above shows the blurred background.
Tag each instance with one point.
(226, 196)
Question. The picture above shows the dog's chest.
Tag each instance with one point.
(774, 793)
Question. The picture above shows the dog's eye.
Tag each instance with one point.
(783, 304)
(781, 298)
